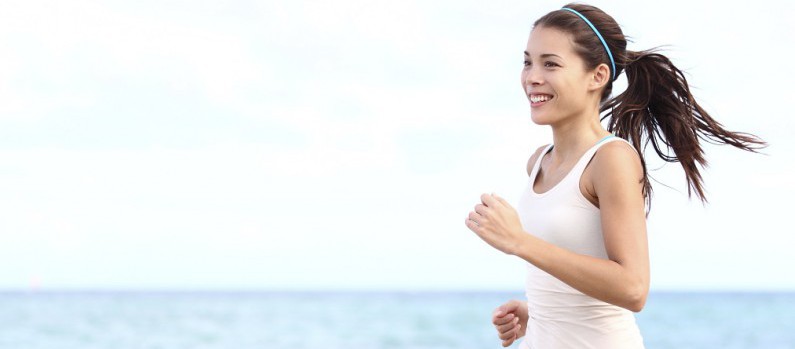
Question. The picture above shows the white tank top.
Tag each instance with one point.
(560, 316)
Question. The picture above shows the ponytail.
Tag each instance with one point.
(658, 108)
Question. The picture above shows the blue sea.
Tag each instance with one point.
(329, 320)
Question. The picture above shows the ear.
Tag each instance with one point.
(599, 77)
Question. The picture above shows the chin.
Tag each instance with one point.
(540, 119)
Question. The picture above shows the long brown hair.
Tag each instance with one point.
(657, 106)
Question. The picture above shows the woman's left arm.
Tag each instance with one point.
(623, 278)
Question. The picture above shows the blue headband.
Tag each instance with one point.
(612, 62)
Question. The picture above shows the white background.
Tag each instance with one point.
(340, 145)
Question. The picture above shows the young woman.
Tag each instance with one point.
(581, 222)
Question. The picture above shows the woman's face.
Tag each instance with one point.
(554, 76)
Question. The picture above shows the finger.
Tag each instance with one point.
(511, 306)
(499, 198)
(472, 225)
(515, 335)
(505, 328)
(510, 333)
(481, 209)
(495, 200)
(498, 313)
(502, 310)
(475, 217)
(487, 200)
(503, 320)
(509, 341)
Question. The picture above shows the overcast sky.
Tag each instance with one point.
(341, 144)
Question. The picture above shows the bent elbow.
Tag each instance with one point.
(637, 305)
(636, 299)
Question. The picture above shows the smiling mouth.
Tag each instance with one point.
(540, 98)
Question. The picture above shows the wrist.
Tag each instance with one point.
(521, 244)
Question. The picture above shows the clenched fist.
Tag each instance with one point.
(510, 319)
(496, 222)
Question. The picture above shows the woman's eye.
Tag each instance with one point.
(526, 63)
(550, 64)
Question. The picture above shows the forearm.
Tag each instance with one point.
(603, 279)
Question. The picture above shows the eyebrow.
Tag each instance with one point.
(545, 55)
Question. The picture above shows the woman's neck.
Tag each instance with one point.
(572, 138)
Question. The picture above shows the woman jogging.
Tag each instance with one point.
(581, 222)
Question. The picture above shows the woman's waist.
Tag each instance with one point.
(550, 298)
(584, 331)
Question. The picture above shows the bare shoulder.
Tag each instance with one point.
(615, 171)
(533, 159)
(616, 162)
(617, 153)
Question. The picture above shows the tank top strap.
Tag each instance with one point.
(579, 168)
(537, 165)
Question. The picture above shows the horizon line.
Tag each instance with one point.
(284, 290)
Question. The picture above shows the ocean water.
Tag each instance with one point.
(327, 320)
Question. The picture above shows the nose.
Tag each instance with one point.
(532, 76)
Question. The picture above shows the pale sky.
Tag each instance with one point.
(340, 145)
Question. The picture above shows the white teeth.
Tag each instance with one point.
(539, 98)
